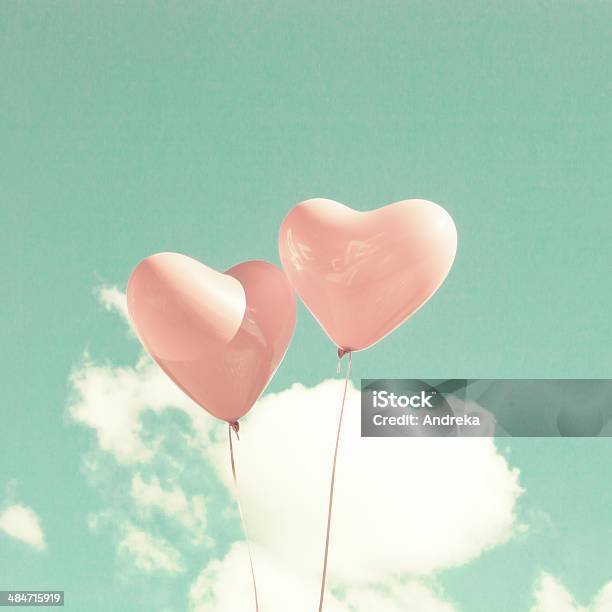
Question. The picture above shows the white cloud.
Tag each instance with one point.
(113, 299)
(96, 520)
(551, 596)
(603, 600)
(172, 502)
(112, 400)
(149, 553)
(215, 590)
(225, 585)
(403, 505)
(412, 596)
(22, 523)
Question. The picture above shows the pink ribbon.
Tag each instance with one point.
(341, 353)
(235, 427)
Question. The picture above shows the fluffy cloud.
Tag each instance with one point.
(280, 590)
(412, 596)
(551, 596)
(403, 506)
(172, 502)
(113, 299)
(22, 523)
(215, 589)
(603, 600)
(149, 553)
(112, 401)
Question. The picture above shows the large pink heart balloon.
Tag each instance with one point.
(219, 337)
(361, 274)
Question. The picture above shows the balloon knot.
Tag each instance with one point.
(341, 354)
(235, 425)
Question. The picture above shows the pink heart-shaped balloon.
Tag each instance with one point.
(361, 274)
(219, 337)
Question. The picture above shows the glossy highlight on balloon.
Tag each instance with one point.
(362, 274)
(219, 336)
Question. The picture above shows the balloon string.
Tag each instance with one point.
(333, 478)
(235, 428)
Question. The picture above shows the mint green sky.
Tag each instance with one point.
(131, 128)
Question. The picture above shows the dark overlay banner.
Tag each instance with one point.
(486, 407)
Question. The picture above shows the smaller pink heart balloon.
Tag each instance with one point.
(362, 274)
(219, 337)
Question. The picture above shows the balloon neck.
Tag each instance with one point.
(235, 425)
(341, 354)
